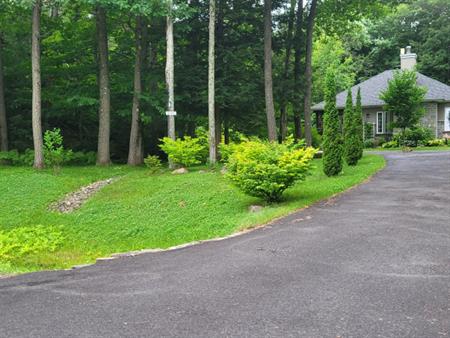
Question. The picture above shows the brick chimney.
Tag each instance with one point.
(408, 60)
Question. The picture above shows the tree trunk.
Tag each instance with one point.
(226, 129)
(170, 76)
(211, 84)
(284, 95)
(218, 128)
(268, 83)
(103, 152)
(134, 155)
(308, 71)
(36, 78)
(3, 123)
(298, 97)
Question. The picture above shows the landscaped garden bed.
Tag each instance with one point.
(139, 211)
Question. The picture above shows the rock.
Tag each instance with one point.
(223, 171)
(180, 171)
(319, 154)
(202, 171)
(255, 208)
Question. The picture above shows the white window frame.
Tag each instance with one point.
(447, 119)
(383, 123)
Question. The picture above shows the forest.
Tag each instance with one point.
(96, 69)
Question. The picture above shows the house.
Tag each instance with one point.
(437, 101)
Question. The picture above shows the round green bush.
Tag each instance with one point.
(266, 170)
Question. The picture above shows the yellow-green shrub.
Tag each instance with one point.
(266, 170)
(185, 151)
(21, 244)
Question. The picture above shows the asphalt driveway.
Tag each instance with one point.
(373, 262)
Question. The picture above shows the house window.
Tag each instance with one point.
(381, 122)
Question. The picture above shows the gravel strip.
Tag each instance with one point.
(75, 200)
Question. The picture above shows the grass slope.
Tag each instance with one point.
(146, 211)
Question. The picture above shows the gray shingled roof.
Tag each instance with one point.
(372, 88)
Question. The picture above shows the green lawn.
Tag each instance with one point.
(144, 211)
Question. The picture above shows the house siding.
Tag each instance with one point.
(432, 119)
(440, 118)
(370, 116)
(429, 119)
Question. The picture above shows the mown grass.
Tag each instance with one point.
(145, 211)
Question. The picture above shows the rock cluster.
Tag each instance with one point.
(75, 199)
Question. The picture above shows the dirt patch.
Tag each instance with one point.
(75, 200)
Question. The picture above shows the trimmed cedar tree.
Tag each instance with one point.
(332, 136)
(351, 148)
(359, 125)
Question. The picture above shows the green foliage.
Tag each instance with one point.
(316, 138)
(435, 143)
(13, 157)
(153, 163)
(390, 144)
(82, 158)
(226, 150)
(23, 243)
(54, 152)
(351, 138)
(369, 143)
(404, 99)
(414, 137)
(358, 125)
(329, 52)
(267, 169)
(368, 131)
(185, 151)
(332, 136)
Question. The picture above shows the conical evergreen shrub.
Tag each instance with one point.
(359, 126)
(351, 139)
(332, 136)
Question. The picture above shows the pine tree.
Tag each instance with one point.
(359, 127)
(351, 140)
(332, 136)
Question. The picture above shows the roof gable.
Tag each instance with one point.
(372, 88)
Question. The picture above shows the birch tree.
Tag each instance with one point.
(170, 73)
(211, 84)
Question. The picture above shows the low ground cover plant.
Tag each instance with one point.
(23, 243)
(267, 169)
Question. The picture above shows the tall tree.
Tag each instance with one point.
(298, 37)
(3, 123)
(308, 70)
(36, 79)
(211, 83)
(404, 99)
(104, 113)
(285, 77)
(135, 146)
(170, 74)
(268, 79)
